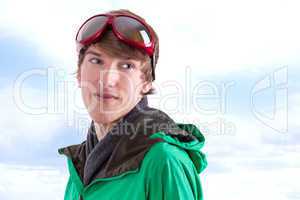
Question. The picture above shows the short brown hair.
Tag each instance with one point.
(114, 47)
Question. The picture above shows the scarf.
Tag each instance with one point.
(98, 152)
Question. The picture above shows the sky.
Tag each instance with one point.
(232, 68)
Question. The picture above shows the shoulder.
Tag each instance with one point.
(164, 155)
(165, 151)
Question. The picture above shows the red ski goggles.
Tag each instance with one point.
(126, 28)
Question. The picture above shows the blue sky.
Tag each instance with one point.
(242, 62)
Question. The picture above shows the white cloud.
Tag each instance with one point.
(51, 25)
(35, 183)
(251, 184)
(212, 37)
(217, 37)
(16, 125)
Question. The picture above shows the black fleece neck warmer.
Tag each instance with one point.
(98, 152)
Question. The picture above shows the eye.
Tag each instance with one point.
(95, 61)
(127, 66)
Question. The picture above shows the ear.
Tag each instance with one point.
(147, 86)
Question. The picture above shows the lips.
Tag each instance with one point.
(106, 96)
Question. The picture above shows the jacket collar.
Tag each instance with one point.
(124, 147)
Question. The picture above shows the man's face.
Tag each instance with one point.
(110, 86)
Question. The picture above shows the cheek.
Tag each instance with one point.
(132, 87)
(89, 82)
(88, 74)
(88, 88)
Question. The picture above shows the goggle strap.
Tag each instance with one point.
(152, 65)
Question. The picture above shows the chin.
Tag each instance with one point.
(104, 118)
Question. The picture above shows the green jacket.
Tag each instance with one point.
(162, 164)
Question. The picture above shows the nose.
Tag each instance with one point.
(110, 76)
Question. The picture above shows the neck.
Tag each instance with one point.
(102, 129)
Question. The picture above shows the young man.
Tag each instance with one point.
(132, 151)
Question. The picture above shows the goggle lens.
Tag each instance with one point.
(91, 27)
(132, 29)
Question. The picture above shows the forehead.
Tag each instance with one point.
(99, 51)
(106, 56)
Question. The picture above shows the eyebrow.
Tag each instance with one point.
(93, 53)
(129, 58)
(100, 55)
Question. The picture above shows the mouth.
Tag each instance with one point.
(106, 96)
